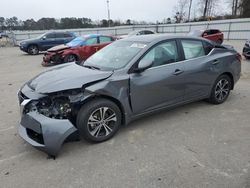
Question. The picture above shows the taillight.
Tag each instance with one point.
(239, 57)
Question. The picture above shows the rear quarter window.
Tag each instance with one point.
(193, 49)
(208, 47)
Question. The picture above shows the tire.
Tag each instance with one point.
(93, 126)
(33, 50)
(221, 90)
(70, 58)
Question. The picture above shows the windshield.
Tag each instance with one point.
(76, 42)
(115, 56)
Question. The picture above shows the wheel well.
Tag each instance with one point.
(231, 77)
(117, 102)
(33, 45)
(73, 55)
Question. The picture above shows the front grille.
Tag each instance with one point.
(35, 136)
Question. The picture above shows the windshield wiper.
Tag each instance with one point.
(91, 67)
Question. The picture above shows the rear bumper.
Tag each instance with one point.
(45, 133)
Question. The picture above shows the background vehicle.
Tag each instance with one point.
(78, 49)
(138, 33)
(3, 34)
(210, 34)
(46, 41)
(246, 49)
(128, 79)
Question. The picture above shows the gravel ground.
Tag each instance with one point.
(194, 146)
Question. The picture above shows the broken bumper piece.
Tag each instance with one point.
(45, 133)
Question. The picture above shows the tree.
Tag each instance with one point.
(180, 10)
(2, 22)
(245, 8)
(208, 7)
(104, 23)
(11, 23)
(128, 22)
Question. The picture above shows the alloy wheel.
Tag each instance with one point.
(102, 122)
(222, 90)
(33, 50)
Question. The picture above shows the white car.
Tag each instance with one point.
(137, 33)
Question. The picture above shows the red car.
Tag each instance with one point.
(77, 50)
(210, 34)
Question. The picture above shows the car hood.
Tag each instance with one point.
(58, 48)
(66, 77)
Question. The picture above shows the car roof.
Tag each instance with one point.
(158, 38)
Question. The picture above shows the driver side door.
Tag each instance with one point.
(162, 84)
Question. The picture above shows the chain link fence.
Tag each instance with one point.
(235, 29)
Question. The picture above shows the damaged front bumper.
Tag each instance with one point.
(50, 58)
(44, 133)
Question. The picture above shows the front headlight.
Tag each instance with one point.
(23, 43)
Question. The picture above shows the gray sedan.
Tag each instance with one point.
(126, 80)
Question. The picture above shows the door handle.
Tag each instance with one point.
(177, 72)
(215, 62)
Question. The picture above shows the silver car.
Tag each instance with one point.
(128, 79)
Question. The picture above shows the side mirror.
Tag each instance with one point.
(44, 38)
(143, 65)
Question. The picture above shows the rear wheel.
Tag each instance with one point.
(99, 120)
(221, 90)
(33, 50)
(70, 58)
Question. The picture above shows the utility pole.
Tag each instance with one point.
(108, 12)
(205, 9)
(189, 11)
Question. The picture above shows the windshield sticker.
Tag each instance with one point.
(138, 45)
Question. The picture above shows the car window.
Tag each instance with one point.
(50, 36)
(162, 54)
(208, 47)
(207, 32)
(141, 33)
(214, 32)
(105, 39)
(148, 32)
(91, 41)
(67, 35)
(59, 35)
(192, 48)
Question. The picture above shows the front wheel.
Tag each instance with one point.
(70, 58)
(221, 90)
(33, 50)
(99, 120)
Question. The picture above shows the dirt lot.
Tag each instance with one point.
(197, 145)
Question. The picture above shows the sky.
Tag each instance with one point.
(140, 10)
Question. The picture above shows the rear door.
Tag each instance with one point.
(162, 84)
(198, 68)
(60, 38)
(90, 48)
